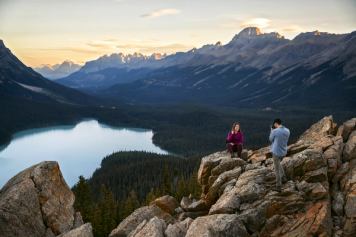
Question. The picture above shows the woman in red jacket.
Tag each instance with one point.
(235, 140)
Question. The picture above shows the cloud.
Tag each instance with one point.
(148, 49)
(293, 28)
(235, 23)
(81, 50)
(101, 44)
(161, 12)
(257, 22)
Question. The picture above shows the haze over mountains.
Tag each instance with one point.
(17, 81)
(253, 69)
(58, 70)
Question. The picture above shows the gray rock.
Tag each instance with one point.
(254, 219)
(346, 129)
(349, 152)
(228, 203)
(81, 231)
(207, 164)
(197, 206)
(166, 203)
(251, 185)
(191, 215)
(338, 203)
(223, 178)
(219, 225)
(131, 222)
(35, 199)
(185, 202)
(313, 191)
(322, 128)
(227, 164)
(78, 220)
(153, 228)
(178, 229)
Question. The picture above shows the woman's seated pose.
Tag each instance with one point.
(234, 140)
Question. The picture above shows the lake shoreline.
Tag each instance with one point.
(78, 147)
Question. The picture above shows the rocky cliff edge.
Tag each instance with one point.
(37, 202)
(319, 198)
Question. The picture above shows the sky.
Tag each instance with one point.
(42, 32)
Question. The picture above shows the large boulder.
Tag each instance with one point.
(166, 203)
(219, 225)
(348, 186)
(153, 228)
(37, 202)
(82, 231)
(207, 164)
(178, 229)
(322, 128)
(314, 221)
(145, 213)
(228, 203)
(346, 128)
(349, 152)
(223, 178)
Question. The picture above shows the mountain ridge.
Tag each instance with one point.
(21, 82)
(243, 72)
(59, 70)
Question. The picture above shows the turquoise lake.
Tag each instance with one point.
(78, 149)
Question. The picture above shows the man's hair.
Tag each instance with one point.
(278, 121)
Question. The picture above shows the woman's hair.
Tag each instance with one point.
(234, 124)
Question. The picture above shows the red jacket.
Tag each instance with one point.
(236, 138)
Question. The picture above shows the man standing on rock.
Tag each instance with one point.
(279, 138)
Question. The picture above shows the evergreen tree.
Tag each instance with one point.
(181, 190)
(108, 211)
(151, 196)
(130, 204)
(167, 179)
(83, 199)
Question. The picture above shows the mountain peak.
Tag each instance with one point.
(2, 45)
(249, 32)
(313, 35)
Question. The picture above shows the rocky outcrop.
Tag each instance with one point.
(140, 218)
(166, 203)
(38, 202)
(81, 231)
(238, 196)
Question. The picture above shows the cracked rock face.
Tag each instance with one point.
(319, 198)
(37, 202)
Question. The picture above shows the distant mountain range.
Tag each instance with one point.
(23, 83)
(316, 69)
(58, 70)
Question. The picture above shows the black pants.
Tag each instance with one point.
(234, 148)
